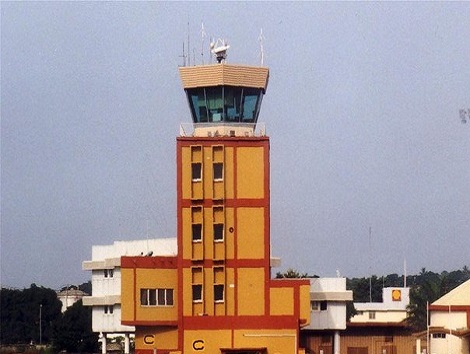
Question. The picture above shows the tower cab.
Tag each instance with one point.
(224, 99)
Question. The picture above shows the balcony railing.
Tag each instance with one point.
(223, 129)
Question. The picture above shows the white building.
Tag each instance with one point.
(449, 331)
(106, 283)
(392, 309)
(328, 299)
(69, 296)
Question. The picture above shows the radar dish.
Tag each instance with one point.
(219, 49)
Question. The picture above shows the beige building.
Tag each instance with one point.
(392, 309)
(449, 330)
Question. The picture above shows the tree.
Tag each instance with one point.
(21, 312)
(73, 331)
(291, 273)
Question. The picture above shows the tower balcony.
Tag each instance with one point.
(212, 129)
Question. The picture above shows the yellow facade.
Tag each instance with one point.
(217, 296)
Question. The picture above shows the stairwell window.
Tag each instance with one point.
(197, 232)
(218, 171)
(196, 171)
(218, 232)
(219, 293)
(197, 292)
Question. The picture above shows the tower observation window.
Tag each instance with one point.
(225, 104)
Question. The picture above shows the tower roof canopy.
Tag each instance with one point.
(224, 75)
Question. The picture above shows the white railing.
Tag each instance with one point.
(223, 129)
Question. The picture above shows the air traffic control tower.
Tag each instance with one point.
(223, 299)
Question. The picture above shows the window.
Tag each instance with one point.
(218, 232)
(439, 335)
(156, 297)
(196, 171)
(108, 273)
(315, 305)
(109, 309)
(218, 171)
(318, 305)
(372, 315)
(197, 292)
(219, 293)
(197, 232)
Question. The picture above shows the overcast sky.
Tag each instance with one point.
(362, 110)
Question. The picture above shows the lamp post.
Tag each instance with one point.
(40, 324)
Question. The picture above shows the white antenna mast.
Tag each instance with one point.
(203, 34)
(261, 38)
(189, 49)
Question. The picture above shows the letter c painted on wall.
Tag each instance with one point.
(198, 344)
(149, 339)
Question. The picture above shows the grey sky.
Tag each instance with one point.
(362, 109)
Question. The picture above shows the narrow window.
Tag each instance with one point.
(152, 297)
(372, 315)
(196, 171)
(111, 273)
(218, 170)
(105, 273)
(219, 293)
(169, 297)
(218, 232)
(197, 292)
(323, 306)
(197, 232)
(144, 297)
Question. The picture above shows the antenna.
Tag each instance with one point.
(189, 49)
(463, 115)
(183, 56)
(370, 256)
(203, 35)
(261, 48)
(404, 276)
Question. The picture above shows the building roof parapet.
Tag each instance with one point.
(331, 295)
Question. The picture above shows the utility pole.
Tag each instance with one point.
(40, 324)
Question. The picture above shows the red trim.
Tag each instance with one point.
(228, 203)
(228, 263)
(285, 283)
(158, 262)
(227, 141)
(445, 308)
(150, 351)
(235, 237)
(150, 323)
(377, 324)
(240, 322)
(134, 292)
(179, 211)
(267, 222)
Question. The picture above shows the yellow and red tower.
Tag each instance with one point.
(223, 299)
